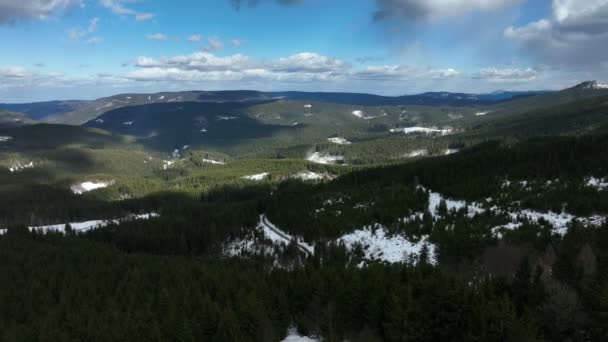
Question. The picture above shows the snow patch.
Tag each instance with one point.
(482, 113)
(307, 106)
(309, 176)
(326, 159)
(167, 164)
(339, 141)
(293, 336)
(378, 245)
(213, 162)
(421, 130)
(90, 225)
(417, 153)
(20, 167)
(81, 188)
(597, 183)
(128, 123)
(4, 139)
(257, 178)
(450, 151)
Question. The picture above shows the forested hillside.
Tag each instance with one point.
(252, 221)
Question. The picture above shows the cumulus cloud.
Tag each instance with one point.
(400, 72)
(575, 34)
(309, 62)
(435, 9)
(298, 68)
(507, 75)
(12, 11)
(118, 7)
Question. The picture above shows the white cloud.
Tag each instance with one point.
(435, 9)
(79, 33)
(195, 38)
(401, 72)
(297, 68)
(309, 62)
(507, 75)
(237, 42)
(16, 10)
(118, 7)
(157, 36)
(576, 33)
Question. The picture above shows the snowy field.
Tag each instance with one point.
(326, 159)
(421, 130)
(258, 177)
(83, 187)
(339, 141)
(82, 227)
(378, 245)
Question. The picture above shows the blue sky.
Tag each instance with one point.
(82, 49)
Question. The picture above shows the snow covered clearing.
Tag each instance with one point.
(20, 167)
(311, 176)
(162, 97)
(598, 183)
(558, 221)
(339, 141)
(257, 178)
(81, 188)
(293, 336)
(89, 225)
(417, 153)
(421, 130)
(362, 115)
(4, 138)
(378, 245)
(307, 106)
(326, 159)
(213, 162)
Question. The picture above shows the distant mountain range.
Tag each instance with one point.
(79, 112)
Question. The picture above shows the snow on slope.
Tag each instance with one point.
(4, 139)
(213, 162)
(320, 158)
(272, 233)
(378, 245)
(257, 178)
(3, 231)
(309, 176)
(89, 225)
(81, 188)
(19, 167)
(482, 113)
(293, 336)
(598, 183)
(559, 221)
(417, 153)
(421, 130)
(339, 141)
